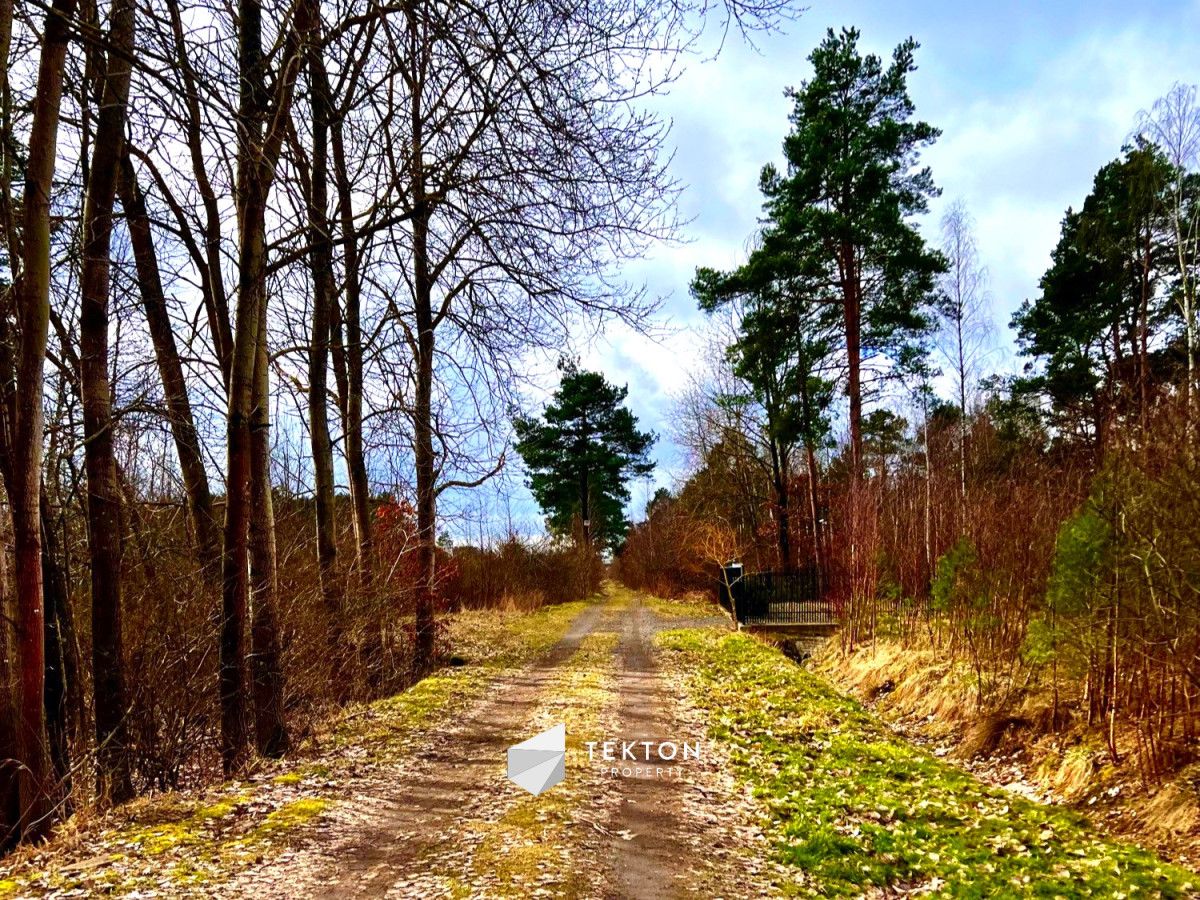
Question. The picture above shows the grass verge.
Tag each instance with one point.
(855, 809)
(689, 606)
(486, 643)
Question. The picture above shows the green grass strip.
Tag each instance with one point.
(855, 809)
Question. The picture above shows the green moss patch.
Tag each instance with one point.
(290, 816)
(853, 808)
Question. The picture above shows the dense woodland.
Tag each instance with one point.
(1039, 527)
(270, 272)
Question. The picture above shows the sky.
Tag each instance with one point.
(1032, 99)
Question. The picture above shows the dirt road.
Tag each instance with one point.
(444, 820)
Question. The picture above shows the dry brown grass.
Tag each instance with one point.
(917, 684)
(1174, 810)
(929, 697)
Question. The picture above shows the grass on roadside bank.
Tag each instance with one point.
(854, 807)
(689, 606)
(184, 843)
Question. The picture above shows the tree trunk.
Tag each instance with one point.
(235, 556)
(852, 315)
(237, 485)
(928, 492)
(104, 495)
(166, 353)
(1143, 333)
(783, 537)
(24, 428)
(814, 510)
(61, 668)
(852, 318)
(321, 263)
(813, 473)
(10, 810)
(423, 440)
(423, 411)
(258, 154)
(271, 736)
(962, 415)
(352, 421)
(585, 503)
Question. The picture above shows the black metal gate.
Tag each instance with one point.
(779, 598)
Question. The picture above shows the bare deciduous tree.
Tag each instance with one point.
(28, 305)
(488, 166)
(264, 109)
(104, 493)
(963, 311)
(1173, 123)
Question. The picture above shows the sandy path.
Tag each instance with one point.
(694, 833)
(382, 829)
(404, 830)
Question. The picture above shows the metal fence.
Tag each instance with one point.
(778, 598)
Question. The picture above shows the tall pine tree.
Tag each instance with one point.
(582, 454)
(1094, 333)
(783, 354)
(842, 208)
